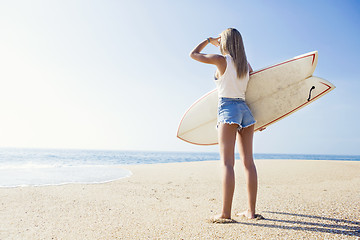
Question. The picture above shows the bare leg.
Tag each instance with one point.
(227, 138)
(245, 144)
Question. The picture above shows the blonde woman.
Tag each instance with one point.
(235, 120)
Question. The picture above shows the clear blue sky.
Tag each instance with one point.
(117, 75)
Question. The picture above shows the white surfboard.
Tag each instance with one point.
(272, 94)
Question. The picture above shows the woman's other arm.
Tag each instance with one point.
(250, 68)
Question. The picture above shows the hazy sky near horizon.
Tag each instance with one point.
(117, 74)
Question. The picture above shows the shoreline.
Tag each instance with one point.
(126, 173)
(56, 176)
(298, 198)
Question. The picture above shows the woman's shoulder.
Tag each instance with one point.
(220, 59)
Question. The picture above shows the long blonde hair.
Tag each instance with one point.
(232, 43)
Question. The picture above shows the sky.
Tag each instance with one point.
(85, 74)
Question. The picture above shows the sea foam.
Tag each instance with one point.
(41, 175)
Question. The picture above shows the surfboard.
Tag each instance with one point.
(273, 93)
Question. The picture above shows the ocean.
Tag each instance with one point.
(38, 167)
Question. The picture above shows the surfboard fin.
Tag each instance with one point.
(312, 88)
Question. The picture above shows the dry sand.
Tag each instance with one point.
(299, 199)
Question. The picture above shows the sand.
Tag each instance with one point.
(299, 199)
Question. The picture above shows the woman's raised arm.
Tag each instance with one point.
(214, 59)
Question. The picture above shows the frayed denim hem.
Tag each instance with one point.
(230, 123)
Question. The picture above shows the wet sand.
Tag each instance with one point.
(299, 199)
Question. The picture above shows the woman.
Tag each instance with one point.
(235, 121)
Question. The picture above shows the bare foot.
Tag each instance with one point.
(248, 215)
(220, 219)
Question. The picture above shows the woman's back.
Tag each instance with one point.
(229, 85)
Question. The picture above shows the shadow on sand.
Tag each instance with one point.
(337, 226)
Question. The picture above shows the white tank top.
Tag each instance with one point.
(229, 85)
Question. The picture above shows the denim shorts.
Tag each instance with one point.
(235, 111)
